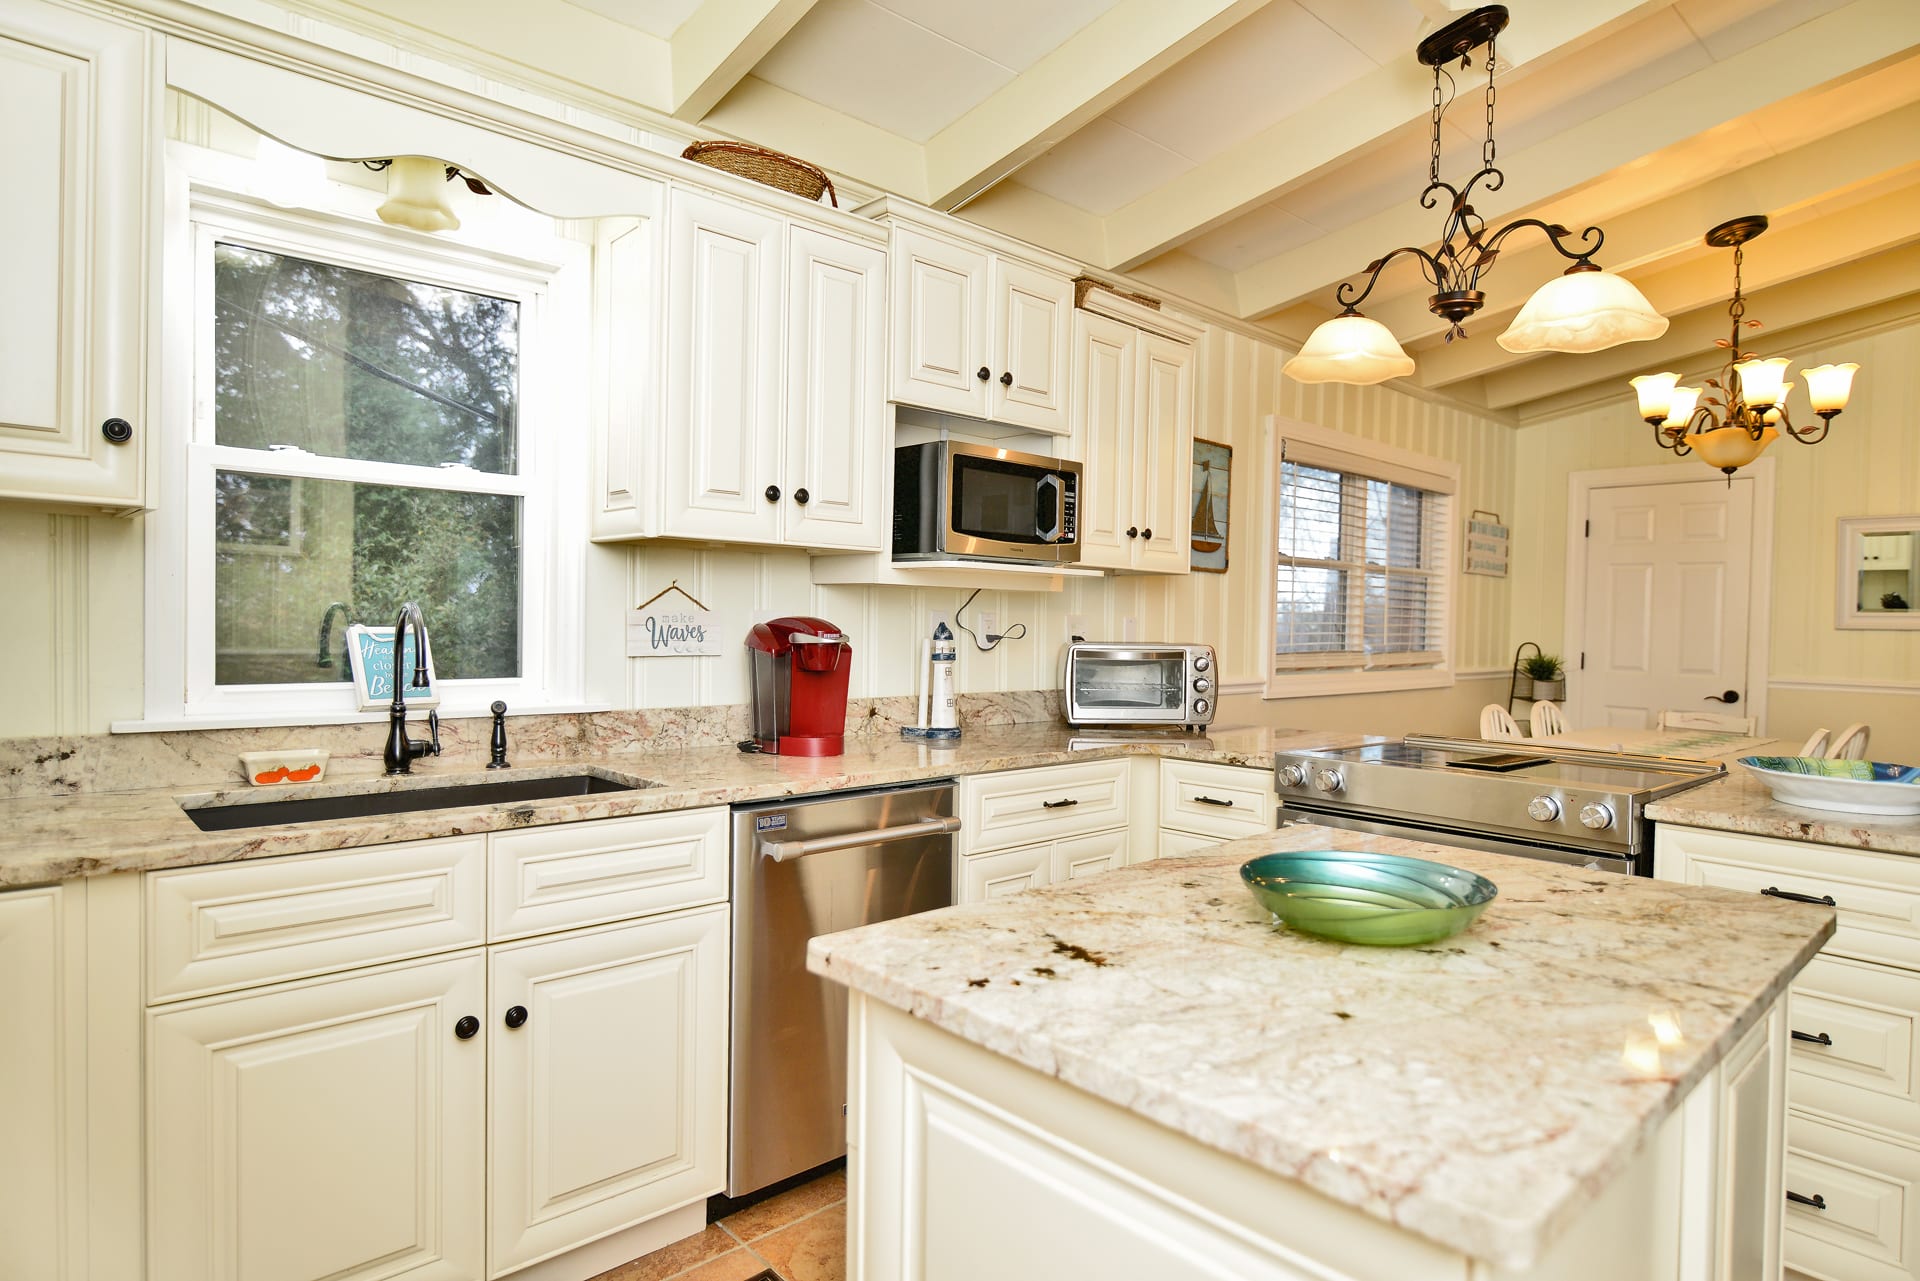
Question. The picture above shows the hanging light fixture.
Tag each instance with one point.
(1585, 309)
(417, 192)
(1732, 419)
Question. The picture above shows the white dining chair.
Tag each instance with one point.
(1706, 720)
(1497, 722)
(1850, 744)
(1546, 719)
(1816, 746)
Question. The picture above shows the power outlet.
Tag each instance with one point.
(989, 626)
(935, 617)
(1077, 626)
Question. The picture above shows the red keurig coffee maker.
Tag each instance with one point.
(799, 673)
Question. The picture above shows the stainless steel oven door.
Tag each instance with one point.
(1596, 860)
(1007, 505)
(1122, 686)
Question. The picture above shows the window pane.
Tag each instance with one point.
(1311, 507)
(1311, 612)
(286, 550)
(349, 364)
(1395, 516)
(1396, 614)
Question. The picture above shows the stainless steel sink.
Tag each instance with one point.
(314, 809)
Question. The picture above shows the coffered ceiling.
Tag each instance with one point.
(1251, 154)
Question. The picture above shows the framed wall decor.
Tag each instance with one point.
(1488, 541)
(1211, 502)
(370, 653)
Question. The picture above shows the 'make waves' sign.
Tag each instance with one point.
(672, 633)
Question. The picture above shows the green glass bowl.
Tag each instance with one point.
(1386, 900)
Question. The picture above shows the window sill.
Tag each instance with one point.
(1386, 681)
(240, 720)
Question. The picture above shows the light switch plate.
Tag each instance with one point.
(1129, 628)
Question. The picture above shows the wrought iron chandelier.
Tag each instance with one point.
(1746, 409)
(1585, 309)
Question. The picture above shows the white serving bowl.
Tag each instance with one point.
(1849, 787)
(279, 769)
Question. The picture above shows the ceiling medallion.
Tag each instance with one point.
(1585, 309)
(1746, 410)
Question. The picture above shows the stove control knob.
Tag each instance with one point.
(1598, 816)
(1200, 706)
(1201, 662)
(1543, 809)
(1293, 776)
(1201, 685)
(1328, 780)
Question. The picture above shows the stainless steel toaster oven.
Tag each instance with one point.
(1140, 684)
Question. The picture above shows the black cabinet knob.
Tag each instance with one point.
(773, 493)
(118, 431)
(467, 1028)
(1006, 380)
(984, 374)
(1147, 534)
(1133, 531)
(801, 496)
(516, 1016)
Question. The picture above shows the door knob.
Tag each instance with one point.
(1147, 534)
(801, 496)
(516, 1016)
(1006, 380)
(984, 374)
(118, 431)
(773, 493)
(467, 1027)
(1133, 531)
(1731, 696)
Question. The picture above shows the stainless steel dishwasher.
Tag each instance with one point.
(801, 868)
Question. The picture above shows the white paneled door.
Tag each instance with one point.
(1669, 584)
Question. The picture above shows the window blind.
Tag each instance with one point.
(1361, 573)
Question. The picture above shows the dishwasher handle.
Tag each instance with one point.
(786, 851)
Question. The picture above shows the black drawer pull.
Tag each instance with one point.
(1820, 1038)
(1817, 1201)
(1208, 800)
(1056, 805)
(1825, 900)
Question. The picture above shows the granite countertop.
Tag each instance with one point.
(53, 838)
(1741, 803)
(1476, 1091)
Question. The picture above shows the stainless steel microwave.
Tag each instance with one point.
(974, 501)
(1140, 684)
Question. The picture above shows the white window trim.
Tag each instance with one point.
(1444, 477)
(207, 196)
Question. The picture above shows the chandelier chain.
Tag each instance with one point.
(1738, 307)
(1486, 152)
(1433, 161)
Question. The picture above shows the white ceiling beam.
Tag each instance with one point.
(1252, 172)
(1838, 44)
(770, 116)
(719, 43)
(1100, 64)
(1810, 175)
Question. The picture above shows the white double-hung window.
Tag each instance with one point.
(361, 417)
(1362, 565)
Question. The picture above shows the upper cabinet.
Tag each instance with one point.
(75, 231)
(979, 333)
(770, 419)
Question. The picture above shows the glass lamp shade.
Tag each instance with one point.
(1584, 310)
(1349, 349)
(417, 195)
(1761, 381)
(1778, 409)
(1828, 386)
(1730, 448)
(1656, 394)
(1680, 408)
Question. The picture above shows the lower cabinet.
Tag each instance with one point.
(985, 876)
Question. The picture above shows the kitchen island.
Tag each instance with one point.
(1135, 1075)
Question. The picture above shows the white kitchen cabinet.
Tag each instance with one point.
(1003, 872)
(1028, 347)
(1886, 551)
(1027, 827)
(1202, 803)
(1132, 413)
(76, 230)
(607, 1080)
(330, 1128)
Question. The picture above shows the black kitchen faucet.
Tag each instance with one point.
(402, 750)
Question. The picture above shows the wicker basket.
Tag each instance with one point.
(773, 168)
(1082, 284)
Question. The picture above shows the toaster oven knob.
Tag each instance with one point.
(1328, 780)
(1200, 706)
(1543, 809)
(1292, 776)
(1201, 662)
(1597, 816)
(1201, 685)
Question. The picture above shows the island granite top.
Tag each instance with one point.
(1478, 1091)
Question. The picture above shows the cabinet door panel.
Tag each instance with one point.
(1103, 440)
(627, 305)
(43, 1063)
(723, 371)
(73, 251)
(939, 323)
(608, 1103)
(329, 1129)
(1032, 313)
(836, 408)
(1087, 855)
(985, 876)
(1163, 455)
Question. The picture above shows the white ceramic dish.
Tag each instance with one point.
(1847, 787)
(278, 769)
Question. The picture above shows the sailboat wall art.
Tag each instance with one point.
(1210, 502)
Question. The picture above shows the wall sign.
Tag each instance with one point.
(1211, 502)
(1486, 545)
(370, 653)
(671, 630)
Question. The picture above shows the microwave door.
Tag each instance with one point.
(997, 508)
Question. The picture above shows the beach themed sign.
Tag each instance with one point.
(370, 654)
(662, 628)
(1210, 501)
(1486, 545)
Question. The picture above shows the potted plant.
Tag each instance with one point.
(1548, 675)
(1893, 600)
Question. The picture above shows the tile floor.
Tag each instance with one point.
(801, 1234)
